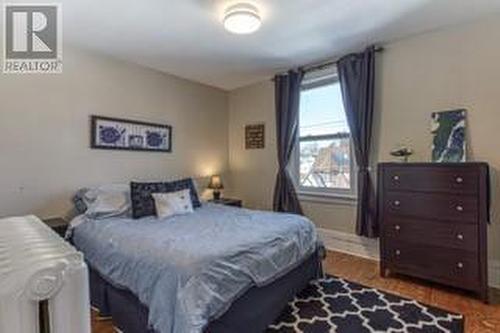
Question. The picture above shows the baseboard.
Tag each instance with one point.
(369, 248)
(350, 243)
(494, 273)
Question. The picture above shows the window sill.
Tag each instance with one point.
(328, 198)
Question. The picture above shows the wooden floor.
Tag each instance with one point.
(480, 318)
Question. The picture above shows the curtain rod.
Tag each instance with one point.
(315, 67)
(319, 66)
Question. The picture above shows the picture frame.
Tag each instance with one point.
(449, 140)
(131, 135)
(255, 136)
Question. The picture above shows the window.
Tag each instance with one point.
(324, 159)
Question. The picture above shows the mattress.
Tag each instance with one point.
(189, 269)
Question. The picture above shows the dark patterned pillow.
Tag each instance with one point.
(143, 203)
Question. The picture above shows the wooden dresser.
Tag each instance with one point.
(433, 220)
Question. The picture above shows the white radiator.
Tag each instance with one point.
(43, 280)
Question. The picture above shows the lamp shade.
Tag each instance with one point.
(215, 183)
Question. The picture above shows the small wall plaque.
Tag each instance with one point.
(255, 136)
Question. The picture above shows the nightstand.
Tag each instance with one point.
(228, 202)
(58, 224)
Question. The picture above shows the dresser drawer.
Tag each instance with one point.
(453, 267)
(449, 235)
(431, 179)
(434, 206)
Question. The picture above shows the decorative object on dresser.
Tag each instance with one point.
(402, 152)
(228, 202)
(58, 224)
(216, 185)
(122, 134)
(255, 136)
(433, 219)
(448, 130)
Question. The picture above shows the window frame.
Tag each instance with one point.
(308, 192)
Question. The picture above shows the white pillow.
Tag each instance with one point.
(107, 201)
(93, 192)
(173, 203)
(108, 205)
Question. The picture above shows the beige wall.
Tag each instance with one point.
(252, 171)
(453, 68)
(44, 130)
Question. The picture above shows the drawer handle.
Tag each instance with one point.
(398, 252)
(397, 227)
(460, 208)
(397, 203)
(460, 237)
(459, 180)
(395, 178)
(460, 265)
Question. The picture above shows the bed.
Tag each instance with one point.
(219, 269)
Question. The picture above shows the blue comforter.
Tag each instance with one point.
(189, 269)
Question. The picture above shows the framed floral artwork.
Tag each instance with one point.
(123, 134)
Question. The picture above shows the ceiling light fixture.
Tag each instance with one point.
(242, 18)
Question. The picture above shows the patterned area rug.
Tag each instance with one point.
(340, 306)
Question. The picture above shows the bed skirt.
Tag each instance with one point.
(253, 312)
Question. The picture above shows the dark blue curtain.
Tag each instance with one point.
(357, 80)
(287, 98)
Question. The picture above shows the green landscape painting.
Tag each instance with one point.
(448, 130)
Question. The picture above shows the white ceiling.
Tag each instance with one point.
(186, 37)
